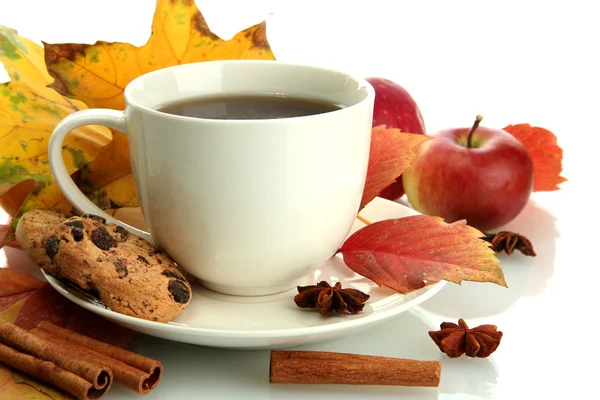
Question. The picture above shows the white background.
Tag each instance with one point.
(512, 62)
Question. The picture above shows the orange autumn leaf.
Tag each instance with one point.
(545, 154)
(107, 180)
(392, 152)
(7, 236)
(97, 74)
(12, 282)
(15, 287)
(405, 254)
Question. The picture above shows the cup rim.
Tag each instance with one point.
(362, 82)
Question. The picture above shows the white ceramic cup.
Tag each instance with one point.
(247, 206)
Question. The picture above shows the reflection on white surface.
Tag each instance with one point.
(202, 369)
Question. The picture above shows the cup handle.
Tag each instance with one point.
(99, 116)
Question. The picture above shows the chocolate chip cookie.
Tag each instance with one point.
(126, 273)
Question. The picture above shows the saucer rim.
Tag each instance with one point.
(429, 291)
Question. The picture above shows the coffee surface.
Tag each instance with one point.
(249, 106)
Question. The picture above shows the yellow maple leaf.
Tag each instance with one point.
(98, 74)
(93, 75)
(29, 110)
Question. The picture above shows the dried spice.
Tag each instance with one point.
(326, 298)
(456, 340)
(509, 242)
(330, 368)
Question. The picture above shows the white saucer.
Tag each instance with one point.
(213, 319)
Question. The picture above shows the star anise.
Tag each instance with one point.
(456, 340)
(326, 298)
(509, 241)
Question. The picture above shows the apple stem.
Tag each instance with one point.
(473, 129)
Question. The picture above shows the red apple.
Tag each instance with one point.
(395, 108)
(479, 174)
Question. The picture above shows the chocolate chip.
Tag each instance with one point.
(77, 234)
(121, 269)
(142, 259)
(121, 231)
(180, 292)
(75, 224)
(52, 246)
(102, 239)
(94, 217)
(86, 263)
(171, 274)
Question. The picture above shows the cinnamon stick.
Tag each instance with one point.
(148, 365)
(133, 378)
(51, 373)
(317, 367)
(26, 342)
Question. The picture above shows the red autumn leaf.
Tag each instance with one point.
(39, 302)
(5, 229)
(408, 253)
(392, 153)
(46, 304)
(15, 286)
(545, 153)
(13, 282)
(8, 301)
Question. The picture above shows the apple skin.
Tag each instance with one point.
(395, 108)
(488, 184)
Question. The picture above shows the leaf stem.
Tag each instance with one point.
(363, 220)
(478, 119)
